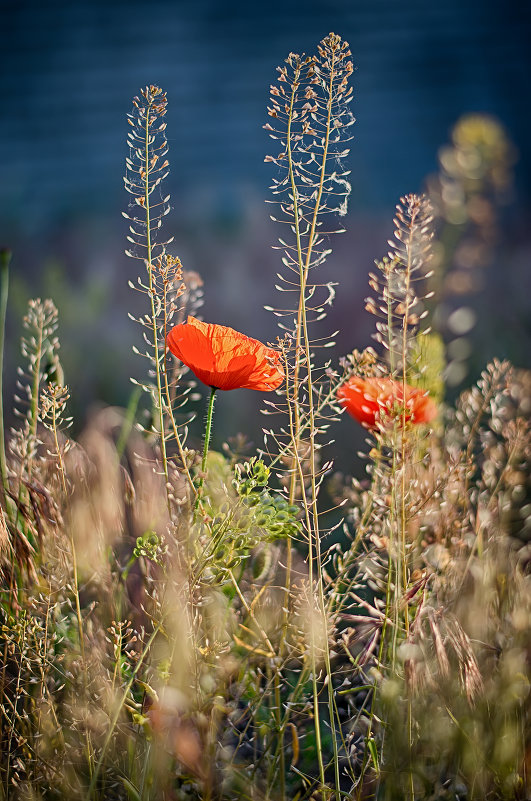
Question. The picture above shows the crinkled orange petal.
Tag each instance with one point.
(224, 358)
(370, 400)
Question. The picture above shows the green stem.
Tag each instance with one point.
(208, 430)
(128, 422)
(5, 258)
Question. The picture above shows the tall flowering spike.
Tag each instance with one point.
(146, 169)
(40, 347)
(223, 358)
(310, 122)
(376, 402)
(398, 284)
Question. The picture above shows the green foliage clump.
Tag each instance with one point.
(267, 511)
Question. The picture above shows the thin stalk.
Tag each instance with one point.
(26, 461)
(313, 662)
(395, 545)
(250, 612)
(116, 715)
(304, 426)
(14, 707)
(296, 370)
(303, 336)
(403, 488)
(405, 322)
(149, 266)
(281, 725)
(315, 516)
(34, 409)
(170, 404)
(57, 448)
(208, 429)
(281, 730)
(128, 422)
(295, 422)
(5, 258)
(61, 466)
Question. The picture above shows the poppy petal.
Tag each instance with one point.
(224, 358)
(371, 400)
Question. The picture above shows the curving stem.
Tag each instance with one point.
(208, 429)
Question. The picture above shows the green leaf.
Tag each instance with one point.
(373, 751)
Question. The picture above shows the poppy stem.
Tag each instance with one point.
(208, 429)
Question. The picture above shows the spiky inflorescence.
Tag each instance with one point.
(311, 118)
(52, 414)
(40, 347)
(147, 167)
(398, 304)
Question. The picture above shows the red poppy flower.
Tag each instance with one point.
(223, 358)
(371, 400)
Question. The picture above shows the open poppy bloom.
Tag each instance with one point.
(371, 400)
(223, 358)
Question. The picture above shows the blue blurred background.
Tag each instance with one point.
(69, 72)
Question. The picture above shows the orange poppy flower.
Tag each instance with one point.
(223, 358)
(371, 400)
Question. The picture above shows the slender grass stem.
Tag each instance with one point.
(302, 342)
(157, 357)
(34, 409)
(12, 723)
(315, 514)
(302, 289)
(169, 409)
(62, 473)
(128, 421)
(403, 443)
(250, 612)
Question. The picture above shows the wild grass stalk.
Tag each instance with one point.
(321, 81)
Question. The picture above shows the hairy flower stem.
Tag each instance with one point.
(5, 258)
(208, 429)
